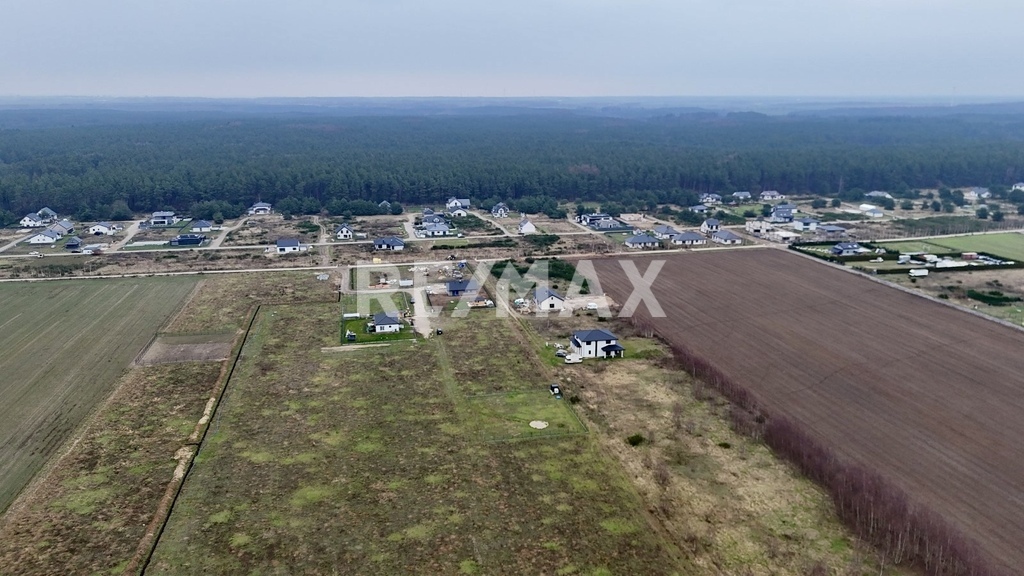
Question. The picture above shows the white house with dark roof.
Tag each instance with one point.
(44, 237)
(782, 213)
(289, 245)
(458, 213)
(384, 205)
(1018, 186)
(595, 344)
(976, 193)
(699, 209)
(662, 232)
(454, 203)
(201, 226)
(103, 229)
(710, 199)
(260, 208)
(429, 219)
(742, 196)
(441, 229)
(500, 210)
(163, 218)
(726, 237)
(32, 220)
(385, 323)
(805, 225)
(47, 215)
(689, 239)
(526, 227)
(546, 299)
(391, 243)
(771, 195)
(847, 249)
(594, 219)
(642, 242)
(710, 226)
(344, 232)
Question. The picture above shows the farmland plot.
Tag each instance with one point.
(928, 396)
(64, 345)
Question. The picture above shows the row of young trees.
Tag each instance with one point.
(903, 531)
(537, 161)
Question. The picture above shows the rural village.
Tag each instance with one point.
(286, 368)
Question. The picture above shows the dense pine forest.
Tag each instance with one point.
(112, 165)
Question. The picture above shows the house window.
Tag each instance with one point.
(551, 305)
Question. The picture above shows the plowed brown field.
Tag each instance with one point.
(926, 395)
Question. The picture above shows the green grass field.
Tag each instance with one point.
(402, 460)
(1009, 245)
(910, 246)
(65, 344)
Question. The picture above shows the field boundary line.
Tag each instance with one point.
(186, 456)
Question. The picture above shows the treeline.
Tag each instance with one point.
(878, 511)
(347, 166)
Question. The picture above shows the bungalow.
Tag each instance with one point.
(527, 227)
(547, 299)
(73, 243)
(689, 239)
(784, 236)
(500, 210)
(32, 221)
(201, 226)
(63, 227)
(771, 195)
(607, 225)
(592, 219)
(289, 245)
(871, 210)
(344, 232)
(163, 219)
(726, 237)
(741, 196)
(454, 203)
(260, 208)
(847, 249)
(595, 344)
(642, 241)
(832, 231)
(389, 243)
(103, 229)
(805, 224)
(975, 194)
(188, 240)
(699, 209)
(436, 230)
(710, 226)
(758, 227)
(711, 199)
(662, 232)
(44, 237)
(385, 323)
(433, 219)
(460, 287)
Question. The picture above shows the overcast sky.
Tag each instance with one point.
(248, 48)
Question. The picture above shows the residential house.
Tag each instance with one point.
(642, 241)
(689, 239)
(74, 243)
(289, 245)
(546, 299)
(190, 240)
(47, 215)
(595, 344)
(847, 249)
(871, 210)
(428, 211)
(103, 229)
(44, 237)
(458, 213)
(344, 232)
(433, 219)
(832, 231)
(385, 323)
(436, 230)
(32, 220)
(771, 195)
(710, 199)
(260, 208)
(526, 227)
(710, 226)
(384, 205)
(759, 227)
(878, 194)
(805, 225)
(163, 219)
(782, 213)
(975, 194)
(391, 243)
(662, 232)
(726, 237)
(461, 287)
(454, 203)
(783, 236)
(201, 226)
(500, 210)
(64, 227)
(699, 209)
(593, 219)
(741, 197)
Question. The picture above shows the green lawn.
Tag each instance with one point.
(1009, 245)
(911, 246)
(65, 344)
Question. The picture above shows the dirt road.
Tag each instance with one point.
(421, 317)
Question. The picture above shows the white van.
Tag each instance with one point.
(573, 359)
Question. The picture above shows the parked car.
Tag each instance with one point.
(561, 353)
(573, 359)
(592, 306)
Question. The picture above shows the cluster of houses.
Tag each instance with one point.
(39, 219)
(710, 199)
(711, 229)
(54, 232)
(601, 222)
